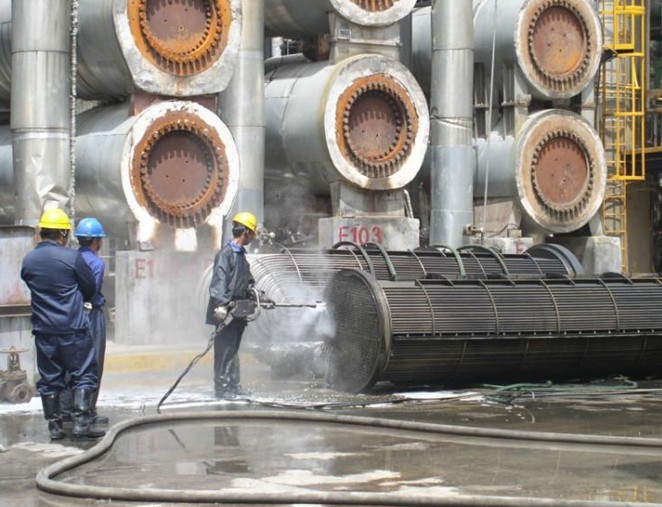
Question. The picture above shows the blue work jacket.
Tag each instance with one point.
(60, 282)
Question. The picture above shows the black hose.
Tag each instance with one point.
(193, 362)
(46, 483)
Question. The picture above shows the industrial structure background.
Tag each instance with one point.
(402, 124)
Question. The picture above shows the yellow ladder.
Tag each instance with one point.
(623, 99)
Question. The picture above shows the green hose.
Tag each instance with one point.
(46, 483)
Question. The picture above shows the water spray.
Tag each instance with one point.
(248, 309)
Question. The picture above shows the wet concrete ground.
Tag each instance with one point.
(295, 457)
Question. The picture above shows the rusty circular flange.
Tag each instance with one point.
(559, 45)
(180, 37)
(179, 170)
(375, 5)
(376, 123)
(373, 12)
(562, 170)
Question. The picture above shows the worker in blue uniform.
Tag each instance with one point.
(231, 281)
(60, 282)
(89, 233)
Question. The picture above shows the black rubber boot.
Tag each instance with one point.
(98, 419)
(66, 400)
(83, 429)
(51, 405)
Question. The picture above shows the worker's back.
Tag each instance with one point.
(60, 282)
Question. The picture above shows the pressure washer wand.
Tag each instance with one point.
(271, 305)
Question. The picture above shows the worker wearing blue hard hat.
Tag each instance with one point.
(90, 233)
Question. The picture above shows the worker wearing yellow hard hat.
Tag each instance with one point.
(55, 219)
(231, 283)
(247, 220)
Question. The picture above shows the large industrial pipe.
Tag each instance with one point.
(7, 188)
(299, 20)
(556, 44)
(363, 120)
(451, 104)
(490, 331)
(242, 108)
(175, 164)
(40, 106)
(5, 51)
(177, 48)
(555, 167)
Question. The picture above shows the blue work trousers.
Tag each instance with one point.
(226, 360)
(59, 355)
(98, 331)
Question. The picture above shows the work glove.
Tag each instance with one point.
(221, 313)
(87, 307)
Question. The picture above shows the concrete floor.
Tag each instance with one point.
(291, 457)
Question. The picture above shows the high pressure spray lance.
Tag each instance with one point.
(248, 309)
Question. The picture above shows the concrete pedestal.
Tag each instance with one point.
(159, 297)
(393, 233)
(598, 254)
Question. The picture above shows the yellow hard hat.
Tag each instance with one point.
(55, 219)
(247, 220)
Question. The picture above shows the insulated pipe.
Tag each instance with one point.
(177, 48)
(451, 122)
(175, 164)
(363, 120)
(241, 106)
(40, 106)
(5, 50)
(557, 44)
(7, 188)
(300, 20)
(466, 331)
(556, 167)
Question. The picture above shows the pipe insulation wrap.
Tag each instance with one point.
(556, 167)
(40, 106)
(241, 106)
(175, 163)
(296, 19)
(454, 332)
(363, 120)
(177, 48)
(451, 105)
(6, 177)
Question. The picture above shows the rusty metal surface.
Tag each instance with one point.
(375, 5)
(561, 173)
(180, 37)
(559, 43)
(179, 171)
(376, 124)
(13, 381)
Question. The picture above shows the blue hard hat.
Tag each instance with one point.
(90, 228)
